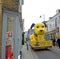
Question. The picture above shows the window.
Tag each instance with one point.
(55, 22)
(59, 16)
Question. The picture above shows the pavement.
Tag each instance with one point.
(27, 54)
(55, 49)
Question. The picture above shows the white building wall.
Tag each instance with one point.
(53, 23)
(48, 26)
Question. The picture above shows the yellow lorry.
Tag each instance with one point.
(37, 38)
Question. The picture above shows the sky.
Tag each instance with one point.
(33, 9)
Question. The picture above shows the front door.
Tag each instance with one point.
(9, 34)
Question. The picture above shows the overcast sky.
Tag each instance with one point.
(33, 9)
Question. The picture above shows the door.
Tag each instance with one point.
(10, 39)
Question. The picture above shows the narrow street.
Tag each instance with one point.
(48, 54)
(52, 53)
(29, 26)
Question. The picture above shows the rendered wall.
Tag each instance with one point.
(0, 27)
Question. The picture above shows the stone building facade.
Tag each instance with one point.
(10, 19)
